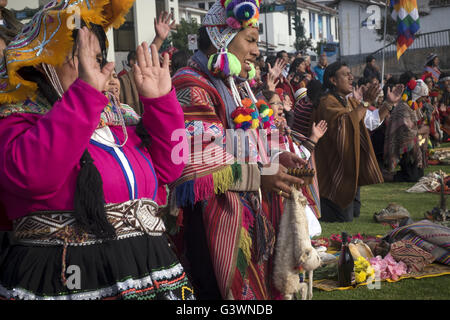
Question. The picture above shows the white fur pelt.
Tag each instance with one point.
(293, 249)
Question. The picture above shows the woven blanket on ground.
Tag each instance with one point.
(428, 183)
(427, 235)
(432, 270)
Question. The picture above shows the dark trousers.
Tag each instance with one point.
(331, 212)
(199, 267)
(409, 172)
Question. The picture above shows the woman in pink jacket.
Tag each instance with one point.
(81, 176)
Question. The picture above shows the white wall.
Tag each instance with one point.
(356, 39)
(144, 15)
(436, 21)
(22, 4)
(111, 53)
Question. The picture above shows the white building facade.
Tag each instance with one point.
(358, 37)
(189, 13)
(320, 22)
(320, 25)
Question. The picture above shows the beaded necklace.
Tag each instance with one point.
(112, 116)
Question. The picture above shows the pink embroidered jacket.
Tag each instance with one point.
(40, 154)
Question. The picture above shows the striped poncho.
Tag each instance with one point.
(240, 228)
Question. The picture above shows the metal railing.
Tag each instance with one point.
(422, 41)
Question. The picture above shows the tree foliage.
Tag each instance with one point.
(302, 42)
(179, 38)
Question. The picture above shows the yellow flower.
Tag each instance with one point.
(360, 276)
(370, 271)
(361, 264)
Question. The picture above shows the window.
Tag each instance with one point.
(312, 25)
(201, 5)
(261, 28)
(329, 35)
(124, 37)
(336, 28)
(320, 26)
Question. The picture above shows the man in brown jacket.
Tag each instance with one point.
(128, 90)
(345, 158)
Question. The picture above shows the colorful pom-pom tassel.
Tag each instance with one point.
(233, 23)
(245, 11)
(241, 13)
(225, 62)
(252, 72)
(412, 84)
(246, 103)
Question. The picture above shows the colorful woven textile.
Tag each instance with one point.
(415, 258)
(39, 105)
(406, 14)
(428, 236)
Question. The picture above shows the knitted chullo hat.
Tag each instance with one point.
(223, 22)
(47, 39)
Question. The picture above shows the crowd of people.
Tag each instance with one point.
(88, 176)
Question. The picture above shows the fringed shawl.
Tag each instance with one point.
(401, 136)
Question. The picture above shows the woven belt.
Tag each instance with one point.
(129, 219)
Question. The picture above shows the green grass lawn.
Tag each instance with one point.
(373, 199)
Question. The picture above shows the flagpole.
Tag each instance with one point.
(384, 42)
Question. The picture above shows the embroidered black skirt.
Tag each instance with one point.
(140, 267)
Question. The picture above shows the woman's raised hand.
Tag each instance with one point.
(89, 68)
(163, 26)
(317, 131)
(271, 81)
(277, 69)
(395, 95)
(152, 79)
